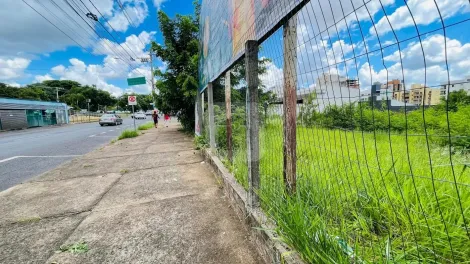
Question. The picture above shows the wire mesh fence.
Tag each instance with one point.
(381, 130)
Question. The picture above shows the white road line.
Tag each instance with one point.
(102, 133)
(92, 136)
(111, 130)
(4, 160)
(59, 156)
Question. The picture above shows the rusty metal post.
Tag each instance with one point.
(290, 103)
(252, 121)
(210, 109)
(228, 115)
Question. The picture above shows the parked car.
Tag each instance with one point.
(140, 116)
(110, 119)
(148, 112)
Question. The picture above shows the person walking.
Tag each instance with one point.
(155, 118)
(166, 118)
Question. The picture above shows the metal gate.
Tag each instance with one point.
(13, 119)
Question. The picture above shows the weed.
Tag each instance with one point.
(87, 165)
(30, 220)
(76, 248)
(124, 171)
(353, 201)
(113, 141)
(146, 126)
(128, 134)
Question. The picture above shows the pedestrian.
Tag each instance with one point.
(166, 118)
(155, 118)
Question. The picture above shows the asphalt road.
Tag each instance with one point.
(28, 153)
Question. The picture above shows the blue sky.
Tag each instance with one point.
(35, 50)
(323, 48)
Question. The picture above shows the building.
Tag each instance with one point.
(454, 86)
(333, 89)
(18, 114)
(421, 95)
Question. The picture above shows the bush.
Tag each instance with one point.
(145, 126)
(128, 134)
(431, 121)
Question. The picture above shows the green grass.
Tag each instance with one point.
(79, 247)
(146, 126)
(355, 203)
(128, 134)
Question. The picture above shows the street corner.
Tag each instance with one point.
(34, 240)
(53, 198)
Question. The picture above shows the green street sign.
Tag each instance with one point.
(136, 81)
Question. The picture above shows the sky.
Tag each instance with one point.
(354, 38)
(73, 47)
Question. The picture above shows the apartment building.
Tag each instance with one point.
(454, 86)
(421, 95)
(334, 89)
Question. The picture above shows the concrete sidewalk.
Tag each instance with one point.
(148, 199)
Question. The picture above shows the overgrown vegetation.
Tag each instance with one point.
(128, 134)
(146, 126)
(431, 122)
(364, 195)
(353, 199)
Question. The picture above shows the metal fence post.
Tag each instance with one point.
(290, 103)
(252, 121)
(210, 108)
(228, 115)
(200, 106)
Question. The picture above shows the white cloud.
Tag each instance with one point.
(424, 12)
(41, 78)
(13, 84)
(319, 15)
(86, 75)
(273, 78)
(158, 3)
(13, 68)
(135, 12)
(414, 70)
(114, 66)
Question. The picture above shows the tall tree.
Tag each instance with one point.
(177, 85)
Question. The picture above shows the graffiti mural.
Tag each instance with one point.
(226, 25)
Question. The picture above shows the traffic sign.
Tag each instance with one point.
(136, 81)
(131, 100)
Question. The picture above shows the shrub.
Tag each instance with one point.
(128, 134)
(145, 126)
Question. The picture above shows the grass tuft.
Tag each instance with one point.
(146, 126)
(128, 134)
(75, 248)
(354, 204)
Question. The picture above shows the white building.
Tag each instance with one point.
(455, 86)
(333, 89)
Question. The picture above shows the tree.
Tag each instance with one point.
(178, 84)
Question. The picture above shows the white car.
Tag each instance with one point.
(140, 116)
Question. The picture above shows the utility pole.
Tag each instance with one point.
(153, 81)
(150, 59)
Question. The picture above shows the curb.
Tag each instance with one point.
(270, 248)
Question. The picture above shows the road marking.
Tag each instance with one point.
(92, 136)
(59, 156)
(111, 130)
(102, 133)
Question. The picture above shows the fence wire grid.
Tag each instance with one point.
(382, 130)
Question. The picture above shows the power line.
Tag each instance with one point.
(92, 28)
(54, 25)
